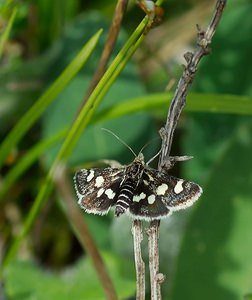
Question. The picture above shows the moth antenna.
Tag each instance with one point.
(156, 155)
(147, 144)
(120, 140)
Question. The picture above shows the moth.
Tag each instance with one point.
(137, 189)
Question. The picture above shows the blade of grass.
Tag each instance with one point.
(212, 103)
(7, 30)
(25, 123)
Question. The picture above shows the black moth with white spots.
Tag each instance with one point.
(143, 192)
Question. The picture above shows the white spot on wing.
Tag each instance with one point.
(151, 199)
(90, 175)
(142, 195)
(99, 181)
(189, 201)
(100, 192)
(110, 193)
(178, 187)
(162, 189)
(137, 198)
(170, 211)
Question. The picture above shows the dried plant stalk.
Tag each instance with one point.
(139, 263)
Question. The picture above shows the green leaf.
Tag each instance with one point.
(228, 68)
(215, 258)
(214, 261)
(26, 280)
(196, 102)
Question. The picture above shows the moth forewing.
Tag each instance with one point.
(96, 188)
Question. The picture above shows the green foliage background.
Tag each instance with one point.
(204, 251)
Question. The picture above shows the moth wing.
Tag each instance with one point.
(159, 194)
(96, 188)
(180, 193)
(143, 210)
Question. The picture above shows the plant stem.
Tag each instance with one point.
(156, 278)
(139, 263)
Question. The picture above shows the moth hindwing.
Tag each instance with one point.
(137, 189)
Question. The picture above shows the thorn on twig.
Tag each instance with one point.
(201, 32)
(202, 40)
(160, 278)
(188, 57)
(162, 132)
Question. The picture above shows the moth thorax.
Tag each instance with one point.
(135, 170)
(125, 196)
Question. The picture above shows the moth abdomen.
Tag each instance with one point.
(125, 197)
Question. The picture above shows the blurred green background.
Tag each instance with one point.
(205, 251)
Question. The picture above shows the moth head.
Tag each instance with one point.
(139, 158)
(135, 169)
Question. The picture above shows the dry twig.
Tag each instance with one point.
(109, 45)
(139, 263)
(175, 109)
